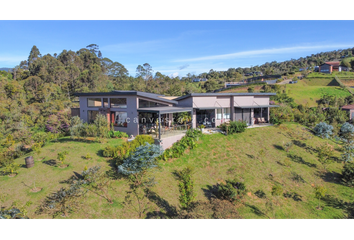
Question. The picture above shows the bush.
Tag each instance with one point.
(277, 190)
(260, 194)
(141, 160)
(348, 173)
(142, 139)
(234, 127)
(123, 151)
(186, 188)
(178, 148)
(232, 190)
(323, 130)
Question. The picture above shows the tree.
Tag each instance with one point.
(137, 167)
(320, 192)
(102, 126)
(144, 71)
(346, 135)
(139, 163)
(186, 188)
(34, 54)
(94, 48)
(325, 153)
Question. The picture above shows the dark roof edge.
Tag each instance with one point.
(223, 94)
(128, 93)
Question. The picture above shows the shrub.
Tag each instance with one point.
(142, 139)
(287, 146)
(323, 130)
(186, 187)
(347, 131)
(325, 153)
(234, 127)
(11, 168)
(348, 173)
(61, 157)
(178, 148)
(102, 126)
(108, 151)
(320, 192)
(297, 177)
(231, 190)
(121, 134)
(140, 161)
(260, 194)
(277, 190)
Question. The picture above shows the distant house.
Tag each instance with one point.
(329, 67)
(199, 79)
(350, 110)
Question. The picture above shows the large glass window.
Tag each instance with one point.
(94, 102)
(92, 116)
(118, 103)
(218, 113)
(148, 104)
(226, 113)
(120, 119)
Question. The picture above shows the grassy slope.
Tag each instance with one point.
(304, 93)
(216, 159)
(48, 177)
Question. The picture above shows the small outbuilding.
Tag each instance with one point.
(350, 110)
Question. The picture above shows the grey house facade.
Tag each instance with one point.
(137, 112)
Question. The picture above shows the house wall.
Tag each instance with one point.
(325, 68)
(132, 105)
(187, 102)
(223, 102)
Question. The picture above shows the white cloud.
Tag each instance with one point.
(252, 53)
(174, 75)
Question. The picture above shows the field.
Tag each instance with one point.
(304, 93)
(216, 159)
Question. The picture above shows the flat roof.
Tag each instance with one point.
(129, 93)
(223, 94)
(169, 109)
(257, 106)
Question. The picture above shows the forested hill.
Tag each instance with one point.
(5, 69)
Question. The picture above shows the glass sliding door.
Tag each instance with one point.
(246, 115)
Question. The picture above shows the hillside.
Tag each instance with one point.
(216, 159)
(5, 69)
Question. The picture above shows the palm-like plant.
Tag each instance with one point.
(184, 118)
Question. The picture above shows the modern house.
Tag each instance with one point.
(168, 119)
(329, 67)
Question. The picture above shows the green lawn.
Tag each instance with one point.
(216, 159)
(307, 94)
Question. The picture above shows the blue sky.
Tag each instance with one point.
(177, 47)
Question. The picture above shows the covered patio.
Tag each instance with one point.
(162, 122)
(253, 115)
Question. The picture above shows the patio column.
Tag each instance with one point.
(194, 118)
(159, 126)
(268, 115)
(252, 116)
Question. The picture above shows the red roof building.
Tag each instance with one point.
(329, 67)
